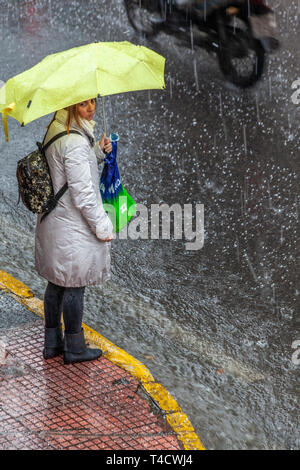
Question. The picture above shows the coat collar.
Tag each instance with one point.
(87, 127)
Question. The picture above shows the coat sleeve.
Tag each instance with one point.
(99, 154)
(80, 185)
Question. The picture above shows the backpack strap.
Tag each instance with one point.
(53, 203)
(56, 137)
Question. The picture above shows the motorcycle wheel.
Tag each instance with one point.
(142, 19)
(241, 69)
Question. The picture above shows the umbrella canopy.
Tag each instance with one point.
(78, 74)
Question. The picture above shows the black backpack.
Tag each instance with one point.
(34, 180)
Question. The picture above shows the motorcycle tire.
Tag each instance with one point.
(229, 62)
(140, 18)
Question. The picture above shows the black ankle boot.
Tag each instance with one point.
(75, 349)
(53, 345)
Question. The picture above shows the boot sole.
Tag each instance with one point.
(74, 360)
(50, 353)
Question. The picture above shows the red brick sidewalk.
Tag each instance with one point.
(89, 405)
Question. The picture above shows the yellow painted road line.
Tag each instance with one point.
(17, 287)
(168, 405)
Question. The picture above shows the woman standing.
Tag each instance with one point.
(72, 244)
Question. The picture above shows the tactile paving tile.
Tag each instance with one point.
(89, 405)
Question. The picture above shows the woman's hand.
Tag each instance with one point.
(105, 144)
(108, 239)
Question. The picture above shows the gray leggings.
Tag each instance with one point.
(68, 300)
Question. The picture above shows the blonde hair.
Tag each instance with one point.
(72, 116)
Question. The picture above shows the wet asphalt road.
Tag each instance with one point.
(214, 326)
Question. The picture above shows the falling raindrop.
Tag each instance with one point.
(245, 140)
(251, 267)
(149, 99)
(242, 203)
(287, 18)
(237, 249)
(215, 140)
(280, 73)
(246, 189)
(281, 235)
(269, 192)
(270, 87)
(171, 88)
(257, 108)
(192, 35)
(221, 110)
(50, 14)
(196, 75)
(274, 297)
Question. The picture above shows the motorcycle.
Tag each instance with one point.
(240, 32)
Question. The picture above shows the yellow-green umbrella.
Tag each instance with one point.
(78, 74)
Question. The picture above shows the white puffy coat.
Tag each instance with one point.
(68, 250)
